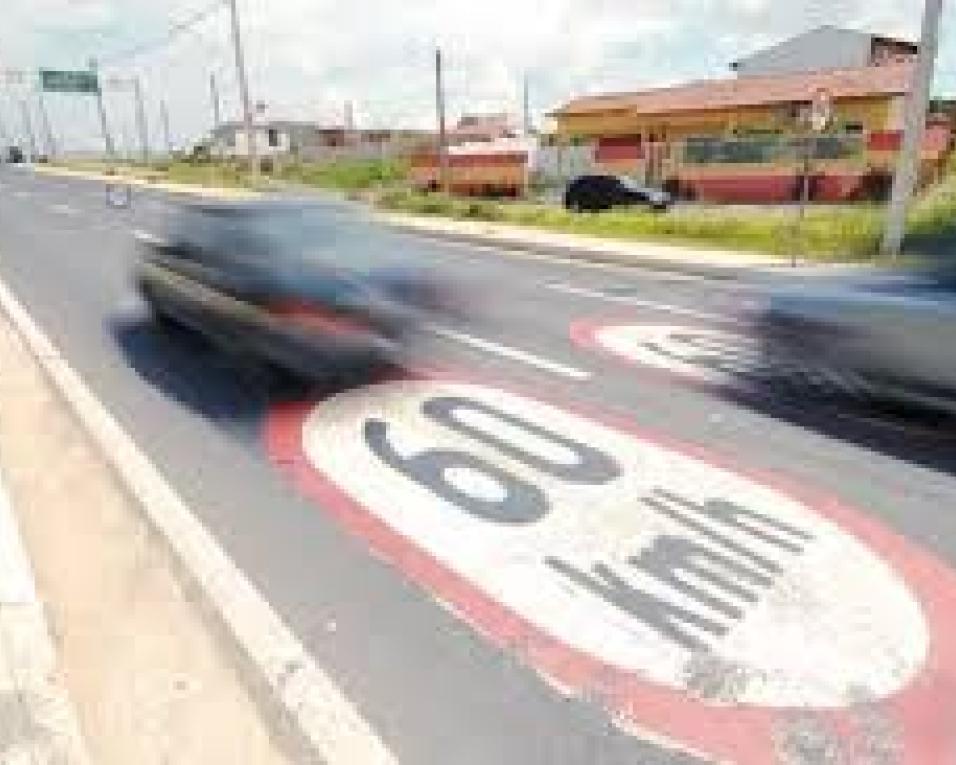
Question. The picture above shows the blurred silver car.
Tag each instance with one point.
(894, 332)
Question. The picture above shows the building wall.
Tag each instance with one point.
(825, 48)
(876, 113)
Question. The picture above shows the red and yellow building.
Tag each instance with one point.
(744, 139)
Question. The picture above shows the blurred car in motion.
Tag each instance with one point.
(597, 193)
(893, 333)
(252, 277)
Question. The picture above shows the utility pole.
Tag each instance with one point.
(244, 91)
(104, 125)
(48, 136)
(526, 104)
(214, 96)
(917, 105)
(28, 128)
(443, 179)
(164, 120)
(141, 120)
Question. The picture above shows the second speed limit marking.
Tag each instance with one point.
(697, 600)
(708, 355)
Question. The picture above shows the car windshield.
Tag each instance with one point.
(478, 382)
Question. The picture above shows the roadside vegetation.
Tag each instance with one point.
(349, 176)
(837, 233)
(827, 234)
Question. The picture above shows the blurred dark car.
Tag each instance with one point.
(894, 333)
(14, 155)
(596, 193)
(255, 278)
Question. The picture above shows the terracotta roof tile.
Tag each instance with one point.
(704, 95)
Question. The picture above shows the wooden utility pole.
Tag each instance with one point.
(917, 105)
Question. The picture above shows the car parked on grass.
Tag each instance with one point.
(597, 193)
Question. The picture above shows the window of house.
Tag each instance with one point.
(853, 127)
(272, 137)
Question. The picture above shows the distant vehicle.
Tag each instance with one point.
(596, 193)
(895, 334)
(14, 155)
(251, 276)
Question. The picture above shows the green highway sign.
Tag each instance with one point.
(58, 81)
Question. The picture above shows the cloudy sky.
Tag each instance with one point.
(307, 57)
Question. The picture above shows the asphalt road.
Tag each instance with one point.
(447, 676)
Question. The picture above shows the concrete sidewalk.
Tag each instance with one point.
(37, 721)
(684, 259)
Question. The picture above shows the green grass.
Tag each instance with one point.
(844, 234)
(351, 175)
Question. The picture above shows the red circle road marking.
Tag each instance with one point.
(744, 734)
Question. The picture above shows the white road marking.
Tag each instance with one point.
(636, 302)
(313, 708)
(645, 271)
(509, 353)
(652, 561)
(64, 209)
(21, 194)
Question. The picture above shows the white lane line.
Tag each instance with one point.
(21, 194)
(292, 687)
(64, 209)
(509, 353)
(637, 303)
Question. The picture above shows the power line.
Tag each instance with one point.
(171, 34)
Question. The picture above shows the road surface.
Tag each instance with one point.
(508, 640)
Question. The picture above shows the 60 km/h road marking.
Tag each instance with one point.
(698, 601)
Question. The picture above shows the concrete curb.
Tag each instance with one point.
(157, 185)
(300, 703)
(606, 254)
(38, 720)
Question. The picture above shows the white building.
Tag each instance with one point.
(826, 47)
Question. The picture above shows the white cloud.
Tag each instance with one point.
(307, 57)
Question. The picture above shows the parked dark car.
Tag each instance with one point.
(596, 193)
(894, 333)
(254, 277)
(14, 155)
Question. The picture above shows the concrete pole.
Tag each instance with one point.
(48, 135)
(214, 97)
(526, 104)
(141, 120)
(28, 129)
(164, 120)
(244, 90)
(443, 179)
(917, 105)
(104, 125)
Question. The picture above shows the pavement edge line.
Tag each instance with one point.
(302, 704)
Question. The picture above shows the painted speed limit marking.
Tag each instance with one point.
(698, 601)
(705, 354)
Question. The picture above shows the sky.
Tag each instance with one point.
(306, 58)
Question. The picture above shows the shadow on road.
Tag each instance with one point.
(232, 391)
(913, 434)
